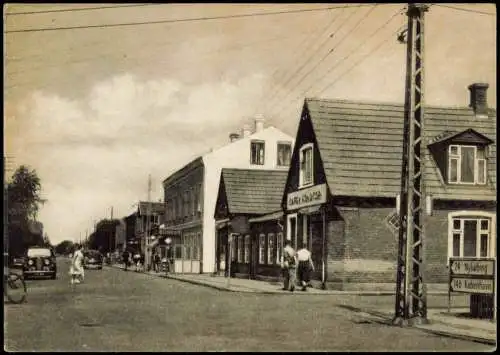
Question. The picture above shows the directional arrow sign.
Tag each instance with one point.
(472, 285)
(472, 267)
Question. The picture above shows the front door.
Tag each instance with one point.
(316, 245)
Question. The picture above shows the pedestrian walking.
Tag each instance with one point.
(76, 269)
(126, 259)
(305, 266)
(156, 262)
(289, 266)
(137, 261)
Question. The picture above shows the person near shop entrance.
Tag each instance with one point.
(289, 266)
(156, 261)
(305, 266)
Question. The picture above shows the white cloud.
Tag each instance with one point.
(98, 151)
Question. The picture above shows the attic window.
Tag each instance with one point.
(257, 153)
(466, 165)
(306, 165)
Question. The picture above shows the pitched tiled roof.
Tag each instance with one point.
(361, 146)
(156, 207)
(253, 191)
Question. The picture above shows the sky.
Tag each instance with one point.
(95, 110)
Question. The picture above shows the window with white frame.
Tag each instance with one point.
(270, 248)
(257, 152)
(196, 246)
(200, 199)
(466, 164)
(279, 247)
(262, 249)
(234, 250)
(471, 235)
(306, 177)
(284, 153)
(291, 229)
(246, 258)
(241, 250)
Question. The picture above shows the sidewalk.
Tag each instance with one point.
(263, 287)
(454, 324)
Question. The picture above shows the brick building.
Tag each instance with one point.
(255, 195)
(344, 183)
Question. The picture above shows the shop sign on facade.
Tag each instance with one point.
(314, 195)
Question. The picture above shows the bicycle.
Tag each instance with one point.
(14, 287)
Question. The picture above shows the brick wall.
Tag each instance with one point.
(367, 252)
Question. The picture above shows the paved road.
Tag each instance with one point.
(116, 310)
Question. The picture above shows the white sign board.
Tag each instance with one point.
(466, 285)
(311, 196)
(472, 267)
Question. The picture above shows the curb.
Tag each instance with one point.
(425, 328)
(279, 292)
(457, 335)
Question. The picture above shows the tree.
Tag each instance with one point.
(23, 204)
(103, 238)
(65, 247)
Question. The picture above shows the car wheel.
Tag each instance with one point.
(53, 276)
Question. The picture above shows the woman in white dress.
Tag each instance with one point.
(76, 270)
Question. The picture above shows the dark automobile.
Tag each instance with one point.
(93, 259)
(40, 261)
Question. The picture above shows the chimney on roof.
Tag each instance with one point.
(233, 137)
(246, 130)
(259, 123)
(478, 98)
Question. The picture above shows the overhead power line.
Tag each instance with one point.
(362, 44)
(107, 55)
(358, 62)
(193, 19)
(331, 50)
(374, 49)
(276, 95)
(74, 9)
(464, 9)
(301, 45)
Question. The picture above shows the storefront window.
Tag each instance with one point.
(178, 252)
(196, 246)
(270, 248)
(247, 249)
(262, 249)
(279, 248)
(234, 251)
(241, 250)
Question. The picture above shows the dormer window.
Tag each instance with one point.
(461, 157)
(257, 153)
(466, 164)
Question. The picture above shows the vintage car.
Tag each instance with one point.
(40, 261)
(93, 259)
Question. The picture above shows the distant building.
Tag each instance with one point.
(191, 191)
(120, 235)
(131, 231)
(344, 181)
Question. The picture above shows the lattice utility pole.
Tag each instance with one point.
(411, 297)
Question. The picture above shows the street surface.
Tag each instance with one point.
(116, 310)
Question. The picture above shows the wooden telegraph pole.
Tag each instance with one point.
(411, 297)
